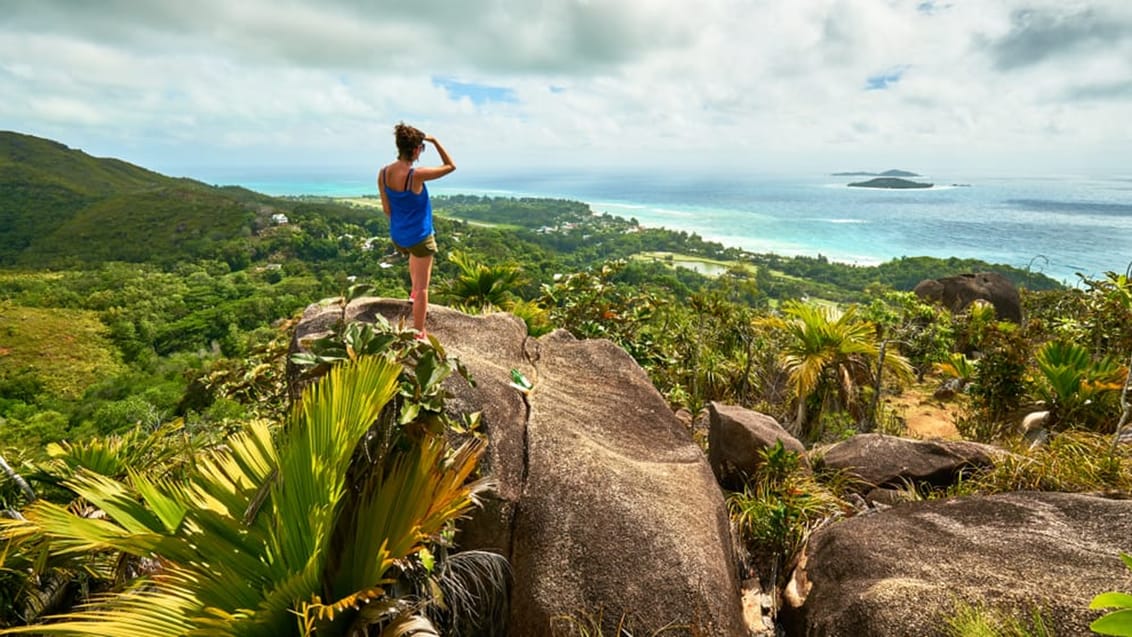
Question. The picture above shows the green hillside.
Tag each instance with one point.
(60, 207)
(66, 350)
(159, 225)
(42, 161)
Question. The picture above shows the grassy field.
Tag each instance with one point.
(361, 202)
(66, 349)
(706, 267)
(374, 202)
(483, 224)
(17, 276)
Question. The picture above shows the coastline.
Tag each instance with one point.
(1056, 227)
(626, 211)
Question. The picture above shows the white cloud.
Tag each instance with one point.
(739, 84)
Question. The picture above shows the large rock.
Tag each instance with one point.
(604, 502)
(900, 572)
(957, 292)
(879, 460)
(736, 436)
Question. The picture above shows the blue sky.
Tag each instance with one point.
(884, 80)
(739, 86)
(477, 94)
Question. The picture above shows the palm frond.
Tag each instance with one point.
(474, 588)
(831, 351)
(480, 286)
(232, 555)
(139, 449)
(334, 416)
(142, 613)
(407, 504)
(68, 533)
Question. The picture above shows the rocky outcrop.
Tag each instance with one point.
(736, 436)
(900, 573)
(957, 292)
(604, 502)
(606, 506)
(881, 461)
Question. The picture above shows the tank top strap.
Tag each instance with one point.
(409, 179)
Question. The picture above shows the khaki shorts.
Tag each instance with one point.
(423, 249)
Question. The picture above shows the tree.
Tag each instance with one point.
(591, 304)
(923, 331)
(828, 354)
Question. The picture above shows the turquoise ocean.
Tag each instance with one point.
(1058, 226)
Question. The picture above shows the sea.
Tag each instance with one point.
(1060, 226)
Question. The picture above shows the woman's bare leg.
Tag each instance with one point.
(420, 271)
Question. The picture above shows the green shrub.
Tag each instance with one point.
(1000, 381)
(119, 415)
(1080, 391)
(34, 430)
(778, 508)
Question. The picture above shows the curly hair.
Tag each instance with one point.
(408, 139)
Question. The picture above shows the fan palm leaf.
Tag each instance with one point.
(408, 505)
(230, 566)
(144, 613)
(1075, 383)
(480, 286)
(140, 449)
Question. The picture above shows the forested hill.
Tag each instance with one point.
(60, 207)
(43, 161)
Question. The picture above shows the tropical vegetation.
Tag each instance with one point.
(145, 406)
(311, 526)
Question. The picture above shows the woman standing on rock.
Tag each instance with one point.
(404, 198)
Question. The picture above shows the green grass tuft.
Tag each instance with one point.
(983, 621)
(1072, 462)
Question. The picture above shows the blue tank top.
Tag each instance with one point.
(410, 214)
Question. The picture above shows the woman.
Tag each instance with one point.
(404, 198)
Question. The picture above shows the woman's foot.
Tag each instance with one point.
(421, 335)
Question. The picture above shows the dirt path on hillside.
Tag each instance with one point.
(925, 416)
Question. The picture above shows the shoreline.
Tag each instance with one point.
(782, 249)
(999, 222)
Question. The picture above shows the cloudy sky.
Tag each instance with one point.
(937, 86)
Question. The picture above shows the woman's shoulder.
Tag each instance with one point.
(394, 173)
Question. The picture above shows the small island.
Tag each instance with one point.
(890, 183)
